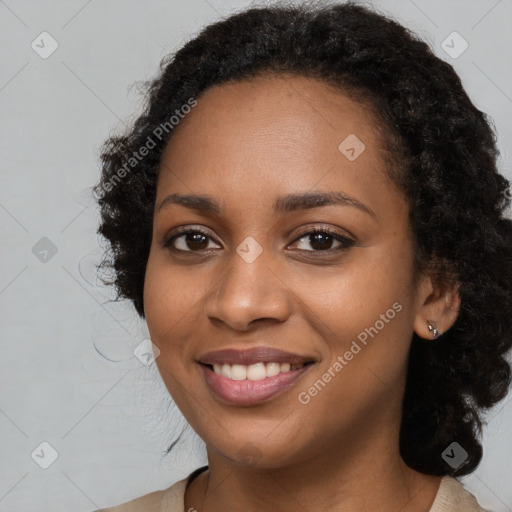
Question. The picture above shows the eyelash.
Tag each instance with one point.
(345, 241)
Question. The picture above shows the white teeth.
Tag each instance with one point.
(226, 370)
(273, 369)
(238, 372)
(257, 371)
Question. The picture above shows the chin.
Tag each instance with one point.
(259, 455)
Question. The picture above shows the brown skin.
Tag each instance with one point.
(245, 144)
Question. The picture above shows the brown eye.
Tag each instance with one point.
(322, 240)
(188, 241)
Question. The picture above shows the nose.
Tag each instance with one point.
(249, 295)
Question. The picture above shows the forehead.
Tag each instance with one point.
(270, 135)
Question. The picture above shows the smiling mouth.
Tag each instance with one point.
(251, 385)
(254, 372)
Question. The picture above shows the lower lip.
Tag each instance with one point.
(250, 392)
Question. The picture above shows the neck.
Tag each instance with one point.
(366, 473)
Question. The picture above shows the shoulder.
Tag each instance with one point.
(171, 499)
(452, 496)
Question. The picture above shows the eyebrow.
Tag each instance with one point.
(282, 205)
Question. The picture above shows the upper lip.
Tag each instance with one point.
(248, 356)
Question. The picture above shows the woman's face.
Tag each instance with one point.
(260, 272)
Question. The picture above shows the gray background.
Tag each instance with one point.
(108, 416)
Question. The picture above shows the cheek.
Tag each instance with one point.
(365, 317)
(171, 294)
(172, 299)
(169, 303)
(364, 313)
(352, 296)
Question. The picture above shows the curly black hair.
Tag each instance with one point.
(445, 156)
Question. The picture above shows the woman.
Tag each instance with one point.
(309, 217)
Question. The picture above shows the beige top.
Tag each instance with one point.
(451, 497)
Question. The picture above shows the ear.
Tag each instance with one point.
(437, 302)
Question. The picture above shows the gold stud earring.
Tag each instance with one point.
(432, 327)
